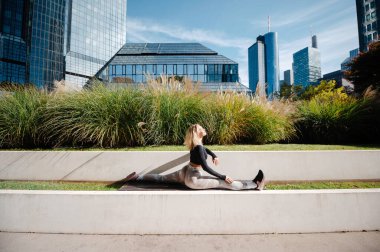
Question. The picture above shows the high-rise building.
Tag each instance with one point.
(136, 62)
(96, 30)
(307, 66)
(368, 16)
(288, 77)
(353, 54)
(263, 63)
(46, 40)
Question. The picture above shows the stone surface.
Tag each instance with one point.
(116, 165)
(190, 212)
(318, 242)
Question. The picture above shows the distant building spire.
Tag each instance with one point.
(268, 23)
(314, 42)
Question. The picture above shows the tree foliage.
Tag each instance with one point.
(365, 69)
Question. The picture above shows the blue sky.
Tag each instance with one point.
(231, 26)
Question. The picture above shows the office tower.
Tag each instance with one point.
(307, 66)
(263, 63)
(353, 54)
(96, 30)
(288, 77)
(136, 61)
(368, 16)
(46, 40)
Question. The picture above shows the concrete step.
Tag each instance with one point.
(115, 165)
(190, 212)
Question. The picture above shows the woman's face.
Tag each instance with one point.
(201, 131)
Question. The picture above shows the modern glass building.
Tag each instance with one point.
(307, 65)
(96, 30)
(31, 41)
(353, 54)
(46, 40)
(288, 77)
(136, 62)
(368, 16)
(263, 63)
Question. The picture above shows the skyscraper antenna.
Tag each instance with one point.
(268, 23)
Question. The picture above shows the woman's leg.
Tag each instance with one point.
(195, 180)
(174, 177)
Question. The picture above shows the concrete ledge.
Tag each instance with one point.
(115, 165)
(193, 212)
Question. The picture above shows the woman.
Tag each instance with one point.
(192, 174)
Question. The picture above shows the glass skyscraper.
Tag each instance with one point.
(263, 63)
(96, 30)
(307, 65)
(288, 77)
(368, 16)
(136, 61)
(46, 40)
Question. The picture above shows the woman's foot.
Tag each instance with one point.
(131, 177)
(259, 180)
(259, 177)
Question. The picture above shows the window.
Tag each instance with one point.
(369, 37)
(139, 69)
(118, 70)
(367, 17)
(169, 70)
(372, 4)
(180, 70)
(374, 26)
(367, 7)
(375, 36)
(149, 69)
(373, 14)
(369, 27)
(129, 69)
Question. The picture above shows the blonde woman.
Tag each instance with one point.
(192, 175)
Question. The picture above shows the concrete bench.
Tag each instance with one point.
(115, 165)
(190, 212)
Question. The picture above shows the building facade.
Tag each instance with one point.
(263, 63)
(288, 77)
(307, 65)
(46, 40)
(368, 16)
(136, 62)
(353, 54)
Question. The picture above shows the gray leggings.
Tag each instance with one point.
(193, 178)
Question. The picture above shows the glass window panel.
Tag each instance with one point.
(369, 27)
(133, 69)
(149, 69)
(367, 17)
(159, 69)
(367, 7)
(201, 69)
(119, 70)
(154, 69)
(372, 4)
(164, 69)
(174, 69)
(185, 69)
(139, 69)
(180, 70)
(139, 78)
(369, 37)
(373, 15)
(169, 70)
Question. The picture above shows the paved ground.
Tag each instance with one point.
(326, 242)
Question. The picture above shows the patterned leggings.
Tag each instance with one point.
(192, 178)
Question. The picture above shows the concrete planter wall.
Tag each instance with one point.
(193, 212)
(115, 165)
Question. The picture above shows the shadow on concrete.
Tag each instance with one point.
(123, 185)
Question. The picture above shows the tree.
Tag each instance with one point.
(290, 91)
(365, 69)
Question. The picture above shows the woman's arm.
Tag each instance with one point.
(204, 164)
(215, 159)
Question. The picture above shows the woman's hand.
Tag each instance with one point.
(215, 161)
(229, 180)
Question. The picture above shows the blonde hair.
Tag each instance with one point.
(192, 139)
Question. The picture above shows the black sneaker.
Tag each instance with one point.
(259, 177)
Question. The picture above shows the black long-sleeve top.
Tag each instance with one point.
(198, 156)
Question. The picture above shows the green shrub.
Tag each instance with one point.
(97, 117)
(20, 116)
